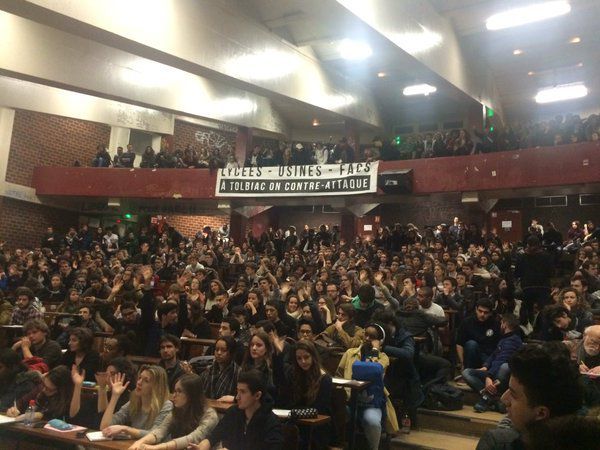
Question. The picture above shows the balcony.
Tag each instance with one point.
(567, 165)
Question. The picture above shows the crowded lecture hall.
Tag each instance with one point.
(300, 224)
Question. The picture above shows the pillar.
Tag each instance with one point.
(7, 119)
(119, 137)
(352, 134)
(237, 227)
(243, 144)
(348, 227)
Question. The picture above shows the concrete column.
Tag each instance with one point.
(237, 228)
(348, 227)
(156, 142)
(353, 136)
(243, 144)
(7, 118)
(119, 137)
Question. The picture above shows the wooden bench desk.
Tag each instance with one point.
(17, 431)
(191, 347)
(222, 407)
(355, 387)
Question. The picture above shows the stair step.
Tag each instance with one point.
(465, 421)
(426, 439)
(470, 397)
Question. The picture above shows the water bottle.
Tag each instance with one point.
(405, 423)
(29, 418)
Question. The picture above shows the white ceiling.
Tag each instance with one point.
(546, 51)
(316, 26)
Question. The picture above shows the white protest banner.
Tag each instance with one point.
(294, 181)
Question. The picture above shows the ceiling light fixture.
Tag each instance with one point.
(561, 93)
(517, 52)
(315, 122)
(530, 73)
(381, 74)
(418, 42)
(354, 50)
(580, 64)
(575, 40)
(419, 89)
(527, 14)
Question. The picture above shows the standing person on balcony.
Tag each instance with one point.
(102, 158)
(148, 158)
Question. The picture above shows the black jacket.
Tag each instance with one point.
(263, 432)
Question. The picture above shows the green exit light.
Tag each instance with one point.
(490, 112)
(127, 216)
(398, 140)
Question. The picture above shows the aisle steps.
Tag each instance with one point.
(433, 440)
(464, 422)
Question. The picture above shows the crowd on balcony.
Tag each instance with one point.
(459, 142)
(411, 307)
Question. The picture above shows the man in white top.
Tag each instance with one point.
(110, 241)
(425, 297)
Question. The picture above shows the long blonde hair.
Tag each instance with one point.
(160, 394)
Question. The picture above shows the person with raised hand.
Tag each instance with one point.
(147, 408)
(190, 421)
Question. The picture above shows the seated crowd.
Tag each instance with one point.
(458, 142)
(403, 311)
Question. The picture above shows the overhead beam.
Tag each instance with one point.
(410, 23)
(285, 20)
(35, 52)
(208, 38)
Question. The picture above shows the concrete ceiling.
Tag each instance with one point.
(309, 32)
(546, 52)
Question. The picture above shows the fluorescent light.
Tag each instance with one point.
(560, 93)
(517, 52)
(419, 89)
(354, 50)
(381, 74)
(527, 14)
(575, 40)
(419, 42)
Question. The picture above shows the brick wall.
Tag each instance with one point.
(190, 225)
(47, 140)
(188, 133)
(22, 224)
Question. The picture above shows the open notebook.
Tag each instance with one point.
(6, 419)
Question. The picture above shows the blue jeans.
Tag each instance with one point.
(370, 418)
(476, 378)
(473, 356)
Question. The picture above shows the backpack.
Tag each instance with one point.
(443, 397)
(372, 372)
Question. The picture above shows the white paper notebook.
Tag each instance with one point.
(97, 436)
(6, 419)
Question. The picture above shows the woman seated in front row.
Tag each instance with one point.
(307, 385)
(146, 409)
(87, 414)
(53, 400)
(190, 421)
(220, 379)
